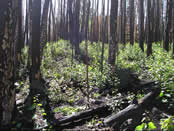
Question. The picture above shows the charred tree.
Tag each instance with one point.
(7, 90)
(113, 45)
(141, 24)
(43, 37)
(76, 27)
(132, 17)
(168, 24)
(149, 29)
(35, 69)
(103, 34)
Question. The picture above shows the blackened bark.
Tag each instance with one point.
(43, 37)
(149, 29)
(168, 24)
(86, 44)
(20, 33)
(113, 32)
(158, 21)
(103, 34)
(83, 21)
(7, 90)
(121, 20)
(124, 25)
(141, 24)
(132, 17)
(36, 14)
(30, 33)
(76, 27)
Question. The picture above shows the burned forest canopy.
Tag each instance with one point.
(87, 64)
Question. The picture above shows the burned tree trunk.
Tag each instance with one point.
(132, 17)
(113, 31)
(168, 24)
(43, 37)
(76, 27)
(35, 70)
(141, 24)
(7, 90)
(20, 42)
(149, 29)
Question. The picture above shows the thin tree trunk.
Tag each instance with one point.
(132, 17)
(76, 27)
(43, 37)
(30, 33)
(141, 24)
(124, 25)
(103, 35)
(173, 28)
(20, 33)
(86, 44)
(149, 29)
(36, 15)
(168, 24)
(113, 30)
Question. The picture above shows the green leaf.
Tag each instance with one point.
(39, 104)
(161, 94)
(151, 125)
(44, 114)
(140, 127)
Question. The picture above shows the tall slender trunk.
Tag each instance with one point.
(158, 21)
(36, 15)
(149, 29)
(173, 28)
(76, 27)
(86, 44)
(83, 20)
(113, 30)
(107, 23)
(43, 37)
(30, 33)
(121, 21)
(132, 17)
(20, 33)
(141, 24)
(124, 25)
(168, 24)
(103, 35)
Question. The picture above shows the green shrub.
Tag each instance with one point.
(57, 65)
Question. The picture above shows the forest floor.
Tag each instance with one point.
(61, 104)
(36, 111)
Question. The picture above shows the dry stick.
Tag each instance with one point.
(86, 43)
(87, 80)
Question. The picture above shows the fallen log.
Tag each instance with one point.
(81, 115)
(136, 108)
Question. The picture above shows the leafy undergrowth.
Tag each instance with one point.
(158, 67)
(67, 80)
(65, 88)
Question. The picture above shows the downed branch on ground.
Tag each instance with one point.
(133, 110)
(84, 114)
